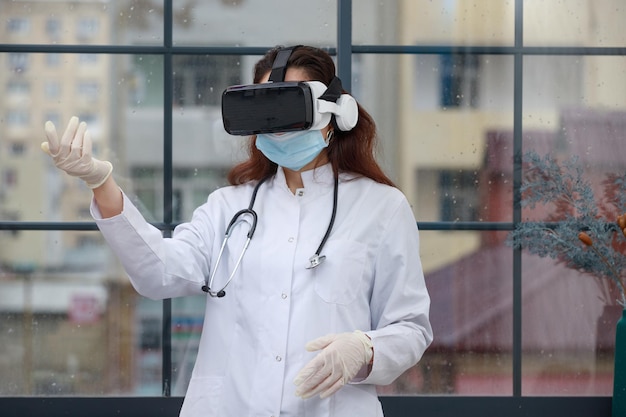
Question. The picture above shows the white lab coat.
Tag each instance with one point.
(252, 343)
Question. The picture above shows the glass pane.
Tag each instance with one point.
(569, 330)
(374, 86)
(121, 99)
(203, 151)
(148, 359)
(70, 318)
(141, 139)
(86, 22)
(471, 314)
(574, 23)
(446, 130)
(574, 113)
(187, 320)
(426, 22)
(255, 23)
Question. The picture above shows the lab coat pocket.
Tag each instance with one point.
(340, 277)
(203, 397)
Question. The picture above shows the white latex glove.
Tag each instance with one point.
(73, 153)
(342, 357)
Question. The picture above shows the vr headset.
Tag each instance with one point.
(279, 106)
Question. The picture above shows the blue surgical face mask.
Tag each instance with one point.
(291, 150)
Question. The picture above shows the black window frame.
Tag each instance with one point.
(515, 405)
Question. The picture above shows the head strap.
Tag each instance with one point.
(333, 92)
(279, 67)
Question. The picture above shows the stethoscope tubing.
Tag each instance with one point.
(317, 259)
(236, 219)
(314, 260)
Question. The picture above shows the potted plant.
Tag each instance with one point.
(585, 230)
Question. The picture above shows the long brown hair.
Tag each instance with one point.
(351, 151)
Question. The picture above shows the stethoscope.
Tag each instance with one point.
(314, 260)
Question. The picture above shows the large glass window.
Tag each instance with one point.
(460, 91)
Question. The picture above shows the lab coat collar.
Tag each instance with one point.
(316, 181)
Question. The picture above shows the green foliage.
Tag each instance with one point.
(573, 208)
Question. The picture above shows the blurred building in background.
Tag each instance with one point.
(445, 121)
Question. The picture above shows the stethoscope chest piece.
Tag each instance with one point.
(315, 261)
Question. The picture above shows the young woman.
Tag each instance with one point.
(327, 301)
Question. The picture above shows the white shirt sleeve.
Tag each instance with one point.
(400, 302)
(158, 267)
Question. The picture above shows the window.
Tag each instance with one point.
(89, 118)
(52, 89)
(53, 28)
(53, 60)
(151, 333)
(87, 28)
(18, 118)
(459, 199)
(9, 178)
(18, 62)
(458, 89)
(87, 90)
(88, 59)
(18, 26)
(18, 87)
(86, 241)
(17, 148)
(197, 79)
(459, 80)
(52, 116)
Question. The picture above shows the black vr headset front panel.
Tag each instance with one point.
(267, 108)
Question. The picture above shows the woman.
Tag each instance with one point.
(280, 338)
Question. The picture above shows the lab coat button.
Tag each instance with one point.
(291, 239)
(278, 358)
(283, 295)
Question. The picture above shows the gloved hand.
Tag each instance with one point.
(341, 358)
(73, 153)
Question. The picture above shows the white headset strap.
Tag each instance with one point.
(324, 106)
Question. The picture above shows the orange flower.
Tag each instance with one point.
(584, 237)
(621, 221)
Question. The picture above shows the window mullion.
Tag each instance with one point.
(517, 183)
(344, 43)
(166, 335)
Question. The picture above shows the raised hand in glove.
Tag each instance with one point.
(73, 153)
(342, 356)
